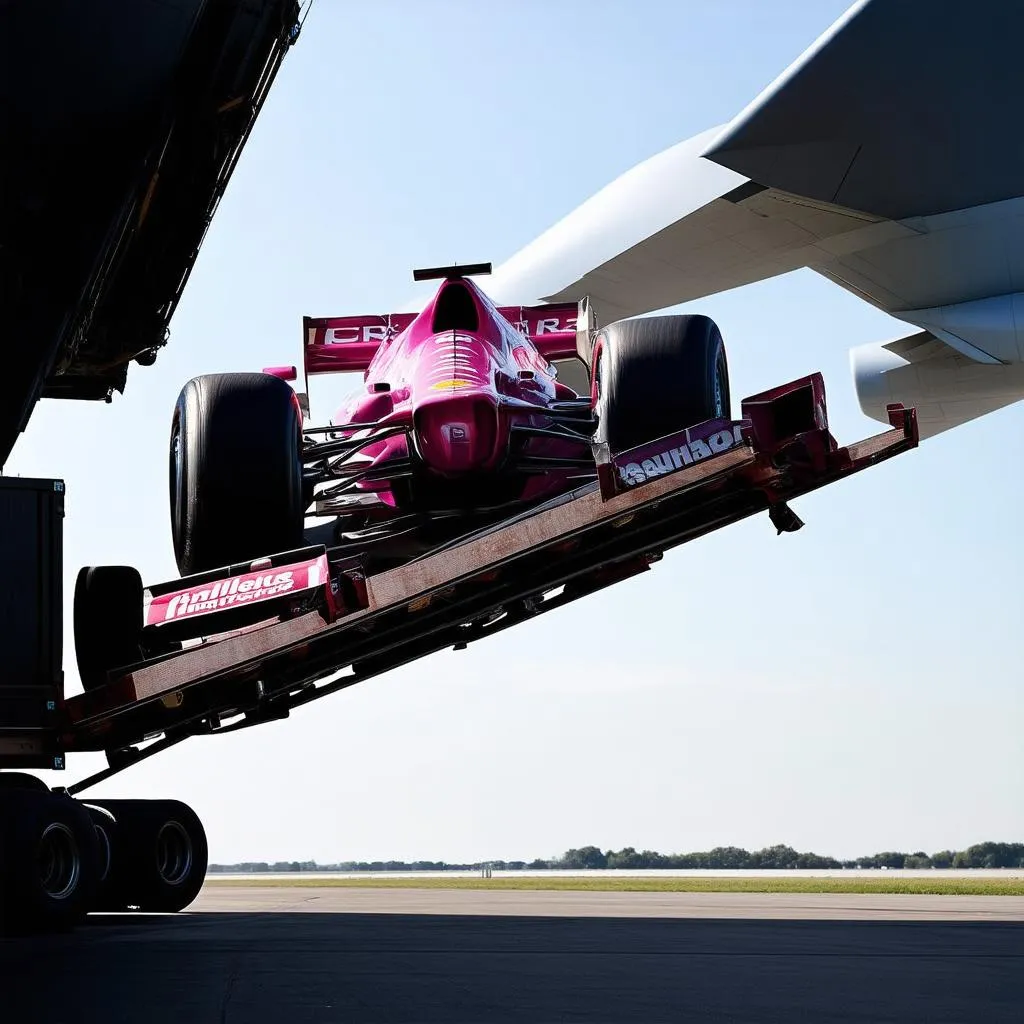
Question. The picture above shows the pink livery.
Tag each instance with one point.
(461, 410)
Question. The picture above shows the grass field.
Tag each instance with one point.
(910, 886)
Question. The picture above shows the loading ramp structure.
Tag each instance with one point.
(349, 627)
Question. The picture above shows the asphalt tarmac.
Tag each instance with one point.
(263, 956)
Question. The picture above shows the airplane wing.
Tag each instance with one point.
(886, 158)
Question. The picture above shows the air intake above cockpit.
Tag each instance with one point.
(455, 309)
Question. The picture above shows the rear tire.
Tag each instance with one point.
(21, 780)
(236, 484)
(655, 376)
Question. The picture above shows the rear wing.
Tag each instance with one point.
(551, 328)
(346, 344)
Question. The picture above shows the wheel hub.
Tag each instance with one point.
(173, 853)
(59, 861)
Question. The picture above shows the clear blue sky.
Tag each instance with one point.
(853, 687)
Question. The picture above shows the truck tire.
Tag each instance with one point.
(236, 484)
(107, 621)
(159, 855)
(49, 861)
(656, 376)
(21, 780)
(106, 835)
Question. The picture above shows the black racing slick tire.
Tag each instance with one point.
(655, 376)
(236, 485)
(49, 861)
(159, 855)
(107, 621)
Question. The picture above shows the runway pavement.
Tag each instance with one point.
(256, 956)
(566, 903)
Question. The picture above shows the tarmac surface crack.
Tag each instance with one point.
(226, 1000)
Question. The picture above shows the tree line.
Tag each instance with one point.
(981, 855)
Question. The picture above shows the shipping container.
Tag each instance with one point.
(31, 615)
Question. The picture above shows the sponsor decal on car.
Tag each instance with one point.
(450, 385)
(649, 462)
(235, 592)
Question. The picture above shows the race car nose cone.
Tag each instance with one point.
(457, 435)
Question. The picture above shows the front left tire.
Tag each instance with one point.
(236, 486)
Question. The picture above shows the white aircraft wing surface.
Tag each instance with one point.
(886, 158)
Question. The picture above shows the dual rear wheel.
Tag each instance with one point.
(157, 854)
(50, 857)
(61, 858)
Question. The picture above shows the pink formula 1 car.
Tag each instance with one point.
(461, 421)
